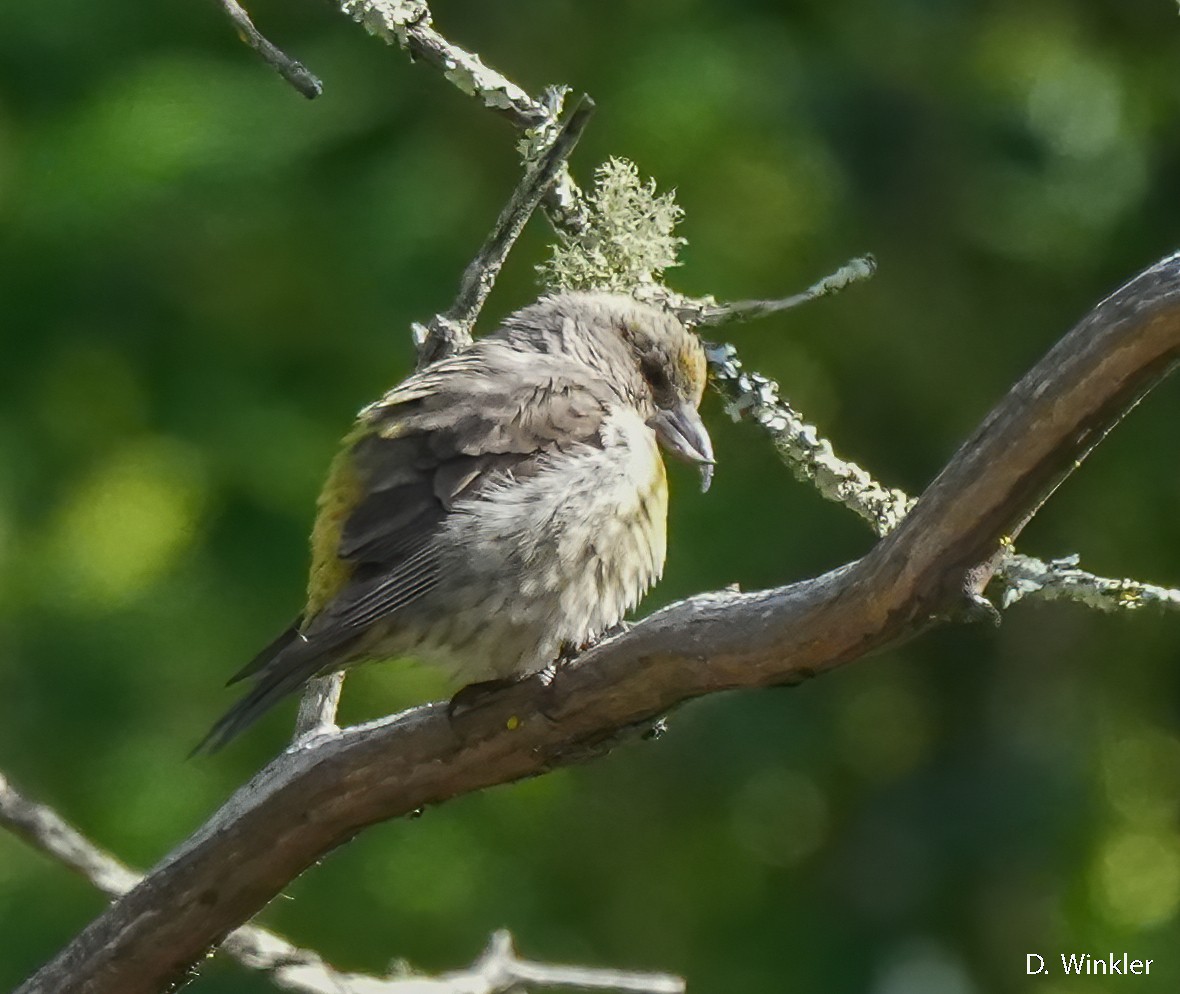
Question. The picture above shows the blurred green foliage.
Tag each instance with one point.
(203, 276)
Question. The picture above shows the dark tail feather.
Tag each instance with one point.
(281, 642)
(290, 666)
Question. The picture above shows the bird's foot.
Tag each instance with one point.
(569, 651)
(618, 628)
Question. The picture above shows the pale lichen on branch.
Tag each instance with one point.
(1060, 579)
(628, 240)
(809, 456)
(408, 23)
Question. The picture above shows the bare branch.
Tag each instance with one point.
(292, 968)
(500, 962)
(497, 971)
(46, 831)
(295, 73)
(925, 569)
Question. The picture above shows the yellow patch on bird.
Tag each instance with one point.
(659, 479)
(694, 368)
(342, 491)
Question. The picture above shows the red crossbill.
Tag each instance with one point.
(502, 503)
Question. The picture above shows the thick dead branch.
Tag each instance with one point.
(1048, 423)
(321, 793)
(295, 969)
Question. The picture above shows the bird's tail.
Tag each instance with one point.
(279, 670)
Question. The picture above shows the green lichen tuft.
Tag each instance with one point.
(628, 241)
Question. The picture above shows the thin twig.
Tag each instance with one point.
(853, 271)
(449, 332)
(317, 706)
(294, 72)
(497, 970)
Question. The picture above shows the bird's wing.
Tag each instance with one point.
(468, 422)
(441, 437)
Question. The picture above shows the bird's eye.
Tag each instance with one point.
(655, 374)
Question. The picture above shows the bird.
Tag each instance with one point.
(499, 506)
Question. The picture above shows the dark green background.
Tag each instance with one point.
(203, 276)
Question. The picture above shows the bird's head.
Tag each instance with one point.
(649, 357)
(671, 367)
